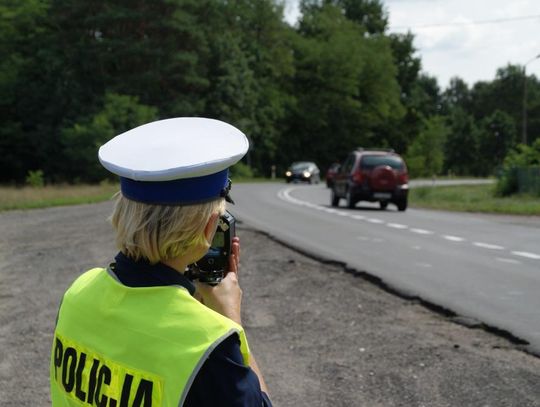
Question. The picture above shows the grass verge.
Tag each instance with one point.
(473, 198)
(54, 195)
(470, 198)
(60, 195)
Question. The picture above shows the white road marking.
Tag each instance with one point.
(453, 238)
(397, 226)
(527, 255)
(358, 217)
(424, 265)
(284, 195)
(488, 246)
(509, 261)
(422, 231)
(374, 220)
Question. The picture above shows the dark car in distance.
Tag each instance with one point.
(373, 176)
(303, 171)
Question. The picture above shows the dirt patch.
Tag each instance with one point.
(322, 336)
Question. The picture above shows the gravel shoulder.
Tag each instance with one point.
(322, 336)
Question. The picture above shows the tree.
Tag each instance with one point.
(370, 14)
(402, 131)
(461, 147)
(456, 95)
(233, 89)
(22, 46)
(496, 136)
(505, 93)
(533, 109)
(425, 99)
(345, 88)
(82, 141)
(155, 50)
(263, 53)
(425, 156)
(522, 158)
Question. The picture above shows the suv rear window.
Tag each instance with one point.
(368, 162)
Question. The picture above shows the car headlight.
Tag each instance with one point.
(288, 174)
(306, 174)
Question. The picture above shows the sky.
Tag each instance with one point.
(459, 37)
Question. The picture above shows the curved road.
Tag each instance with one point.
(480, 266)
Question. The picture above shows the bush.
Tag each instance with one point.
(521, 158)
(35, 179)
(82, 140)
(425, 155)
(240, 170)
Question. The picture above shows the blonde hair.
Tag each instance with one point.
(161, 232)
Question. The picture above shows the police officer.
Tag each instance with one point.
(139, 332)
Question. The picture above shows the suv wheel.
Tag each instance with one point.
(334, 199)
(402, 204)
(350, 202)
(383, 205)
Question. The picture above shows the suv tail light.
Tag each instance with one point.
(402, 178)
(357, 176)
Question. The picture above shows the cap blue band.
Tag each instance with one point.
(176, 192)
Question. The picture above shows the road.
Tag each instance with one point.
(322, 337)
(483, 267)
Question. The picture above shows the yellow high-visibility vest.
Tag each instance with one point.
(122, 346)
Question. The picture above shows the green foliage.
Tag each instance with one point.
(21, 45)
(156, 50)
(82, 141)
(265, 42)
(425, 156)
(496, 110)
(461, 147)
(407, 63)
(456, 95)
(521, 157)
(425, 97)
(497, 134)
(370, 14)
(35, 179)
(335, 81)
(345, 88)
(505, 94)
(251, 64)
(240, 170)
(400, 131)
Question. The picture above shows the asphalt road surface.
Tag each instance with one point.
(484, 268)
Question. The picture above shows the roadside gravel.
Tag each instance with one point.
(322, 336)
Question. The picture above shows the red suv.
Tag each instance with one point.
(374, 176)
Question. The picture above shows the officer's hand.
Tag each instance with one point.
(234, 259)
(226, 297)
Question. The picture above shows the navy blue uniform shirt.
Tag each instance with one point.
(223, 380)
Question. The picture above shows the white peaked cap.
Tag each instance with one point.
(170, 149)
(174, 161)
